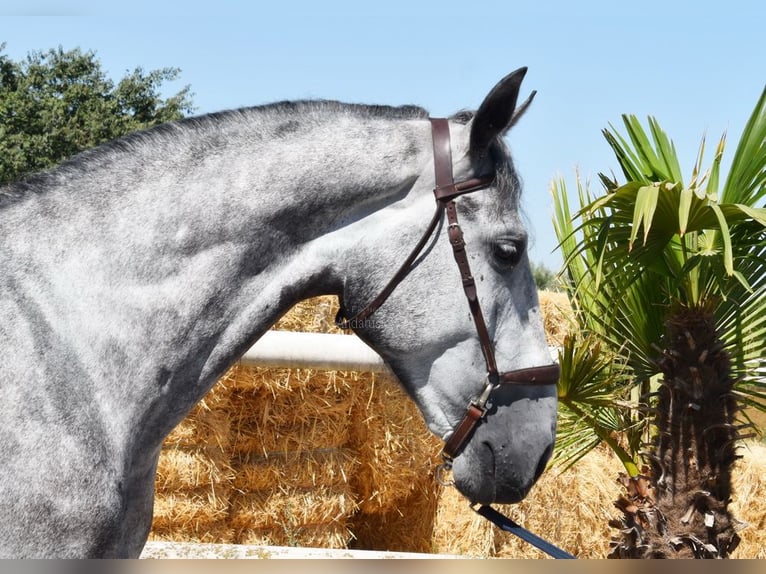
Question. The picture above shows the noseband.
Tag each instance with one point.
(445, 192)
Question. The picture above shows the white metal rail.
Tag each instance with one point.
(321, 351)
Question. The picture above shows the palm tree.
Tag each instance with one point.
(668, 282)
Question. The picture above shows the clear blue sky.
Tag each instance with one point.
(698, 66)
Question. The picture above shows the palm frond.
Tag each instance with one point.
(746, 182)
(644, 246)
(591, 386)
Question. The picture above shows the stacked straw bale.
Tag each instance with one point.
(395, 480)
(344, 460)
(194, 474)
(557, 314)
(290, 430)
(749, 504)
(296, 457)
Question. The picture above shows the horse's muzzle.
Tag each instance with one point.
(510, 447)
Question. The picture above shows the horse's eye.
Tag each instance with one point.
(507, 253)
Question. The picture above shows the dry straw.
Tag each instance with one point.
(193, 480)
(397, 454)
(287, 411)
(301, 469)
(339, 459)
(294, 517)
(749, 505)
(558, 318)
(196, 515)
(407, 526)
(395, 483)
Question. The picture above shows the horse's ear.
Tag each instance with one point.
(498, 112)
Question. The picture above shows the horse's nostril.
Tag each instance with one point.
(541, 464)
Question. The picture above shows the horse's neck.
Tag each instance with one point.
(175, 266)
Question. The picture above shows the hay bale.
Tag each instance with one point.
(194, 478)
(289, 428)
(181, 469)
(397, 453)
(407, 526)
(295, 431)
(208, 423)
(333, 536)
(293, 516)
(558, 316)
(395, 480)
(195, 516)
(298, 469)
(748, 504)
(459, 530)
(315, 315)
(286, 410)
(572, 508)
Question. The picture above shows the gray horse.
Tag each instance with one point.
(136, 273)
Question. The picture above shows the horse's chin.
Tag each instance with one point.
(510, 448)
(478, 482)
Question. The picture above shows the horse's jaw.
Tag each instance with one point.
(509, 448)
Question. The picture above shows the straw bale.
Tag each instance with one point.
(315, 315)
(322, 434)
(406, 527)
(459, 530)
(572, 508)
(207, 424)
(293, 516)
(298, 469)
(304, 413)
(557, 314)
(198, 533)
(748, 503)
(334, 535)
(200, 515)
(193, 479)
(291, 507)
(208, 534)
(179, 469)
(396, 450)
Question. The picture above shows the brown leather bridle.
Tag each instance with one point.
(445, 192)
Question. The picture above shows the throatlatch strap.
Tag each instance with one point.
(403, 271)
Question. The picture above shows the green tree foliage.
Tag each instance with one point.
(545, 279)
(57, 103)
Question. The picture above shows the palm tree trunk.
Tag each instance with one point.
(680, 509)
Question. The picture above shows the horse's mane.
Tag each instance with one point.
(311, 110)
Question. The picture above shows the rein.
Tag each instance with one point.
(446, 191)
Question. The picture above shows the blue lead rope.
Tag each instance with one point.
(508, 525)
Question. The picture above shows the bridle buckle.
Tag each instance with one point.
(442, 472)
(480, 402)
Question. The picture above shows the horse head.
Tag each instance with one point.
(429, 335)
